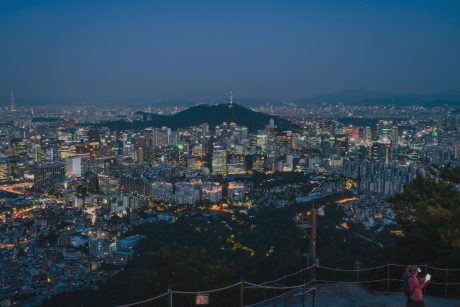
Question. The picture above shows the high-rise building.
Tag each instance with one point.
(5, 169)
(236, 191)
(99, 248)
(73, 166)
(353, 134)
(162, 191)
(211, 192)
(219, 161)
(39, 153)
(381, 152)
(385, 130)
(18, 148)
(45, 175)
(187, 193)
(162, 137)
(367, 133)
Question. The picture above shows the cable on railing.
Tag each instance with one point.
(276, 285)
(208, 291)
(145, 301)
(441, 269)
(351, 282)
(405, 265)
(353, 270)
(289, 275)
(275, 288)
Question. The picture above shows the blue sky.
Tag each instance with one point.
(148, 51)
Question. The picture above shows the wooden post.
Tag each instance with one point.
(303, 295)
(313, 243)
(426, 271)
(388, 277)
(447, 280)
(313, 297)
(170, 298)
(265, 292)
(242, 293)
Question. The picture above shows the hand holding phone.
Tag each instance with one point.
(428, 277)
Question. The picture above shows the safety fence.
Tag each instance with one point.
(389, 277)
(299, 288)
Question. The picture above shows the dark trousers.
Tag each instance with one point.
(417, 304)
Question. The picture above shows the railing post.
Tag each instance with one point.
(284, 296)
(425, 288)
(265, 292)
(170, 298)
(447, 280)
(388, 277)
(274, 298)
(313, 297)
(303, 294)
(242, 293)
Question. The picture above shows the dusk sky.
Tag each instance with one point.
(150, 51)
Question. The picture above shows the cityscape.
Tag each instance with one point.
(115, 203)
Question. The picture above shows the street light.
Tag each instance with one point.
(307, 222)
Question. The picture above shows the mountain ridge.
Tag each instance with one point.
(204, 113)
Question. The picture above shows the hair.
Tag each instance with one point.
(412, 269)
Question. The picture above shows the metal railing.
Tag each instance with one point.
(354, 276)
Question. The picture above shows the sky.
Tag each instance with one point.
(137, 51)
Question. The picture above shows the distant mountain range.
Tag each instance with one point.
(364, 97)
(197, 115)
(347, 97)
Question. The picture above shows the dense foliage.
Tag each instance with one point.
(450, 173)
(429, 214)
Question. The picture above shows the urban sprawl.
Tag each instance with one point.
(72, 189)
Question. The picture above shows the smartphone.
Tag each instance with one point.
(428, 277)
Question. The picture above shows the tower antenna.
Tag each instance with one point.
(231, 96)
(13, 102)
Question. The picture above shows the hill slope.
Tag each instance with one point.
(211, 114)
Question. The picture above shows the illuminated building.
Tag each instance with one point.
(73, 166)
(45, 175)
(162, 191)
(211, 192)
(219, 161)
(18, 148)
(235, 191)
(187, 193)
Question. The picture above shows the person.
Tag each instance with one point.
(416, 285)
(405, 278)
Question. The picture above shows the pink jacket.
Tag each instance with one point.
(415, 287)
